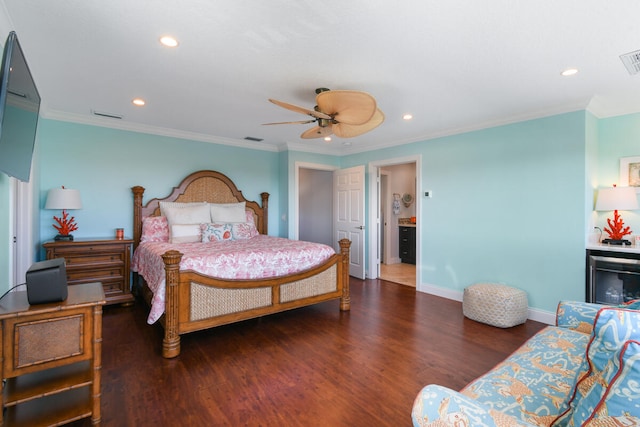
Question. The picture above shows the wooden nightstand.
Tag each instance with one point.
(97, 260)
(51, 358)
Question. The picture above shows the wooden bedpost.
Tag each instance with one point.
(171, 341)
(345, 300)
(265, 212)
(137, 220)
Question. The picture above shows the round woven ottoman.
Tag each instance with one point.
(496, 305)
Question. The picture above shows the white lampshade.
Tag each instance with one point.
(63, 198)
(617, 198)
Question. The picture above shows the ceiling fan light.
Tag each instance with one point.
(569, 72)
(169, 41)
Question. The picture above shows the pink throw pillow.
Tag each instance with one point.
(155, 229)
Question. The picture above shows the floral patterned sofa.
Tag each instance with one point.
(585, 371)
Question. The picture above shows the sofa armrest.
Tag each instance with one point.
(435, 402)
(577, 315)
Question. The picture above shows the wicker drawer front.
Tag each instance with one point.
(43, 341)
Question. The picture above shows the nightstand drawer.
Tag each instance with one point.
(86, 249)
(95, 274)
(111, 287)
(79, 260)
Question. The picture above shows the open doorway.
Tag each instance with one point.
(329, 203)
(394, 186)
(398, 223)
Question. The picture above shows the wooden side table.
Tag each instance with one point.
(51, 358)
(105, 260)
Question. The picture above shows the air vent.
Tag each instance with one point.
(632, 62)
(109, 115)
(253, 138)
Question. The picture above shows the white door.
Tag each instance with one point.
(349, 215)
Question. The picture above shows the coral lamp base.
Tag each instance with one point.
(60, 237)
(616, 242)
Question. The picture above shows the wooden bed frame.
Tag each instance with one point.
(194, 301)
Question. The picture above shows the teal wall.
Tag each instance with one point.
(511, 204)
(105, 163)
(618, 137)
(508, 207)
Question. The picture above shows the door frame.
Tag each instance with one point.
(374, 209)
(21, 252)
(294, 223)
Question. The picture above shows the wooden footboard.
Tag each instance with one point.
(195, 302)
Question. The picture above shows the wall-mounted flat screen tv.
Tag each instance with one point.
(19, 109)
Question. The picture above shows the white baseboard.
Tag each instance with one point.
(535, 314)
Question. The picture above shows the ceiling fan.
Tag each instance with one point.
(344, 113)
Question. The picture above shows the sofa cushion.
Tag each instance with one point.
(439, 406)
(532, 385)
(607, 354)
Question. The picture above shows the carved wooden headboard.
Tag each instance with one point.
(202, 186)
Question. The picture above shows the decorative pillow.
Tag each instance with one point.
(216, 232)
(248, 214)
(165, 205)
(154, 229)
(195, 214)
(619, 401)
(228, 212)
(577, 315)
(185, 233)
(243, 230)
(613, 327)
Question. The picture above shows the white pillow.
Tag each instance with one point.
(195, 214)
(164, 205)
(185, 233)
(228, 212)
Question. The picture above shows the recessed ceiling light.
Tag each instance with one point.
(327, 139)
(407, 117)
(138, 101)
(569, 72)
(169, 41)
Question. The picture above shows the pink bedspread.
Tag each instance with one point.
(255, 258)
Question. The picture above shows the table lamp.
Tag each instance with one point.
(615, 199)
(65, 199)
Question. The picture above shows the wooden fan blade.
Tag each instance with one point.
(302, 110)
(347, 106)
(317, 132)
(299, 122)
(344, 130)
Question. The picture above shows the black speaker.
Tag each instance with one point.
(47, 281)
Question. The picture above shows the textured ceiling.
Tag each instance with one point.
(455, 65)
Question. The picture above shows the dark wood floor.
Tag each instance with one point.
(313, 366)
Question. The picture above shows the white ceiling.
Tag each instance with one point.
(456, 65)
